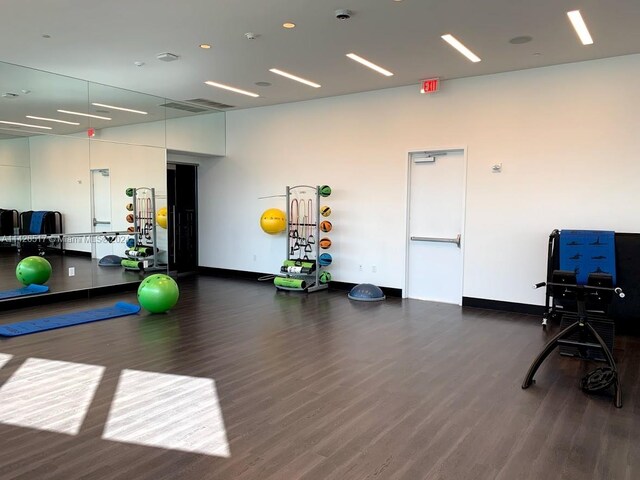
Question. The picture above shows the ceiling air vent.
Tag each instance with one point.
(209, 103)
(185, 107)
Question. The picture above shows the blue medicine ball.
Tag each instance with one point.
(325, 259)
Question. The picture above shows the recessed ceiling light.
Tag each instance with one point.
(288, 25)
(581, 28)
(293, 77)
(139, 64)
(369, 64)
(119, 108)
(51, 120)
(521, 40)
(455, 43)
(263, 84)
(232, 89)
(25, 125)
(68, 112)
(205, 46)
(46, 36)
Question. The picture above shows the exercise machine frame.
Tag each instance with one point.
(582, 326)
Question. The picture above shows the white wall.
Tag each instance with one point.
(567, 137)
(202, 134)
(60, 181)
(15, 183)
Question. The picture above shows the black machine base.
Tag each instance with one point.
(580, 338)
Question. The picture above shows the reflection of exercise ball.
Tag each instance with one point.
(273, 221)
(161, 217)
(33, 270)
(158, 293)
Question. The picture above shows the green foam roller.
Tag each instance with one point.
(286, 282)
(131, 264)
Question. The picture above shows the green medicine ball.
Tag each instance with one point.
(325, 277)
(325, 191)
(129, 193)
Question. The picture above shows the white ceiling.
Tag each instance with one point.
(100, 41)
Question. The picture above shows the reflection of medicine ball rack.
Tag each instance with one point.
(301, 270)
(143, 255)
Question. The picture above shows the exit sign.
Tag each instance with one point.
(431, 85)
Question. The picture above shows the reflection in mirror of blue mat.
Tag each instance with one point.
(23, 292)
(120, 309)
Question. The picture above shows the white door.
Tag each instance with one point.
(101, 212)
(435, 225)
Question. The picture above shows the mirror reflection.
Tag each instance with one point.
(83, 178)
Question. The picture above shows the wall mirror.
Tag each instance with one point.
(70, 153)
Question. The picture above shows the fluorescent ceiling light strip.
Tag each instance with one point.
(84, 114)
(455, 43)
(51, 120)
(581, 28)
(25, 125)
(119, 108)
(293, 77)
(232, 89)
(367, 63)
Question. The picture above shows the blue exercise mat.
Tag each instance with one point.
(23, 292)
(588, 251)
(120, 309)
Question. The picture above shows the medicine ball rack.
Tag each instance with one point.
(303, 241)
(144, 255)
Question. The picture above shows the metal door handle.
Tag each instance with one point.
(438, 240)
(100, 222)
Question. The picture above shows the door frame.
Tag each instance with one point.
(408, 165)
(94, 248)
(173, 163)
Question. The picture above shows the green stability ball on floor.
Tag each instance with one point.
(158, 293)
(33, 271)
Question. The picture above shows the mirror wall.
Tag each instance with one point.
(75, 147)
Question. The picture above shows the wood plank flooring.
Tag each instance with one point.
(317, 387)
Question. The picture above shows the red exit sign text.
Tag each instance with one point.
(431, 85)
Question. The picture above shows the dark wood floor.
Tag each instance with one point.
(319, 387)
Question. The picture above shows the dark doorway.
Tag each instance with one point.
(182, 200)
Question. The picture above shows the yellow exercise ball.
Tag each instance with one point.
(273, 221)
(161, 217)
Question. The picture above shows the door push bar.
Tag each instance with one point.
(100, 222)
(438, 240)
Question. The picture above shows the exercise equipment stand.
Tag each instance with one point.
(584, 328)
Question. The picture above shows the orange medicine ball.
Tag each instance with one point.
(325, 242)
(326, 226)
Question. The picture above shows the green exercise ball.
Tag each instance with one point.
(33, 271)
(158, 293)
